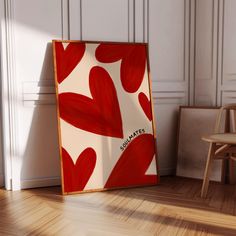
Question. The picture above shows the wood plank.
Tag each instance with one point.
(172, 208)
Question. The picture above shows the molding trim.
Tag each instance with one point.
(75, 19)
(228, 97)
(173, 95)
(65, 19)
(192, 48)
(56, 181)
(146, 21)
(213, 48)
(10, 96)
(186, 26)
(40, 182)
(35, 93)
(168, 86)
(220, 57)
(206, 81)
(2, 32)
(226, 79)
(167, 97)
(139, 20)
(131, 21)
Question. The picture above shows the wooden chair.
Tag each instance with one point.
(222, 144)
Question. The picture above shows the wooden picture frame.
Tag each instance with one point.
(194, 122)
(106, 125)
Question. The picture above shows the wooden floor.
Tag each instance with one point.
(172, 208)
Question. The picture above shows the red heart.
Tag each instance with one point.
(131, 167)
(133, 62)
(146, 105)
(99, 114)
(76, 176)
(67, 59)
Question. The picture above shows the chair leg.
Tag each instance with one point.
(206, 177)
(232, 177)
(223, 171)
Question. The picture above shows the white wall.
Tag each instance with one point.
(215, 58)
(38, 143)
(167, 32)
(191, 63)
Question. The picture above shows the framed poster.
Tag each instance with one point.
(195, 122)
(105, 117)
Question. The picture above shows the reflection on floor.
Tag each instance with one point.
(172, 208)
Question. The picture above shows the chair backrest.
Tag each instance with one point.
(230, 118)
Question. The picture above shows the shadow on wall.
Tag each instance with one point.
(41, 160)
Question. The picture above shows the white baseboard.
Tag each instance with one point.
(1, 180)
(167, 171)
(40, 182)
(55, 181)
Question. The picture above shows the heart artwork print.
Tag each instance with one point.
(105, 123)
